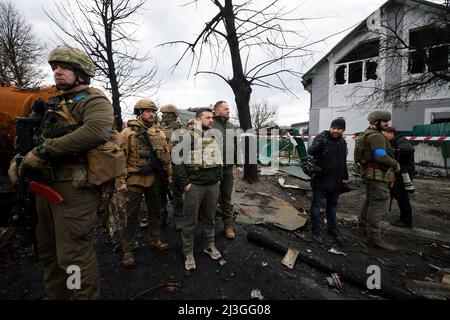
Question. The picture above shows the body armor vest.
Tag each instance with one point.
(205, 153)
(138, 157)
(368, 167)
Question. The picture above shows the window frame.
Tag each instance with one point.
(347, 71)
(427, 57)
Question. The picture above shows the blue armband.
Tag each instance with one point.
(379, 153)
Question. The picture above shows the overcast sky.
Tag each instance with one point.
(167, 21)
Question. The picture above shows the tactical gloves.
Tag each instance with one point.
(35, 160)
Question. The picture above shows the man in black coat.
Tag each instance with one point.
(404, 154)
(329, 154)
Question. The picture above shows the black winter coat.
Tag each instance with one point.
(330, 155)
(404, 153)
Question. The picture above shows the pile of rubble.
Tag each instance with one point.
(430, 171)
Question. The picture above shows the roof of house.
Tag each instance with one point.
(307, 76)
(300, 124)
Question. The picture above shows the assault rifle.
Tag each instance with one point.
(24, 209)
(155, 166)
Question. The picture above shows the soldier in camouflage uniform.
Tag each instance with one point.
(64, 231)
(199, 175)
(141, 179)
(375, 159)
(170, 122)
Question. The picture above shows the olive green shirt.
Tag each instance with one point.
(95, 115)
(223, 126)
(377, 141)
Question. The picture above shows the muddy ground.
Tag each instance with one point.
(248, 267)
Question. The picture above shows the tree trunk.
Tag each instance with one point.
(241, 89)
(242, 92)
(116, 106)
(115, 90)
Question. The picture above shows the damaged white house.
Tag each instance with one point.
(397, 60)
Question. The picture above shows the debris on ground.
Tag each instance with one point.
(437, 288)
(295, 171)
(264, 171)
(256, 294)
(334, 281)
(282, 180)
(271, 209)
(253, 257)
(336, 251)
(290, 257)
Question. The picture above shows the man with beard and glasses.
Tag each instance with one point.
(329, 153)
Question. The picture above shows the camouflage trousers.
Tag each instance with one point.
(113, 204)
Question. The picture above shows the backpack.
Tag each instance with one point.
(360, 153)
(309, 167)
(106, 161)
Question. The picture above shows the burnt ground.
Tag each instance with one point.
(161, 275)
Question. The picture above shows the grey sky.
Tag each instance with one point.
(168, 20)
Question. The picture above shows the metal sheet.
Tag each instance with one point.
(264, 207)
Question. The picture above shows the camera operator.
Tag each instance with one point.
(329, 163)
(404, 154)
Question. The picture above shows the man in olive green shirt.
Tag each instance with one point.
(222, 123)
(64, 231)
(376, 163)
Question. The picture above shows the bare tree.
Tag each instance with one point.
(261, 113)
(259, 39)
(20, 51)
(105, 29)
(414, 46)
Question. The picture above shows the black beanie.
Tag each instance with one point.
(338, 123)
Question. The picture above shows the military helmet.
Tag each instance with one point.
(379, 115)
(144, 104)
(74, 57)
(169, 108)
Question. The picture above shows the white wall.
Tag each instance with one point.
(429, 153)
(346, 100)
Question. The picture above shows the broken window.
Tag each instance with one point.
(438, 58)
(417, 61)
(358, 71)
(362, 51)
(371, 70)
(355, 72)
(340, 76)
(359, 64)
(429, 49)
(428, 37)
